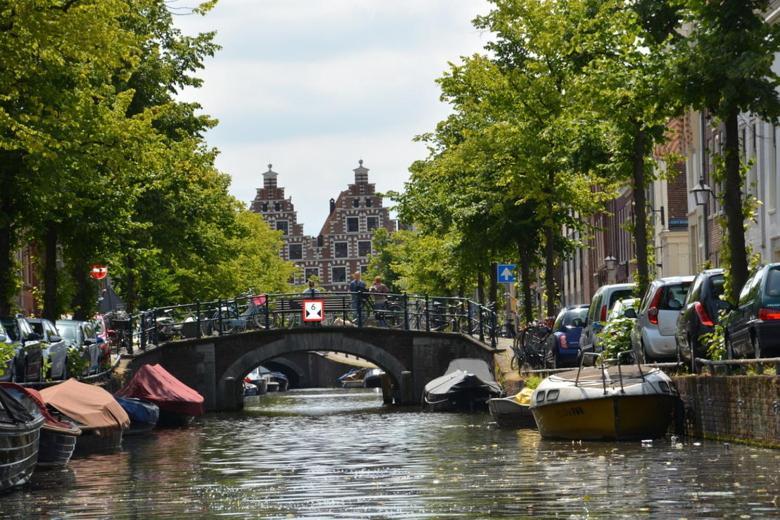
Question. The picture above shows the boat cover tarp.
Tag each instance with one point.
(50, 422)
(463, 373)
(524, 396)
(88, 405)
(12, 411)
(140, 411)
(155, 384)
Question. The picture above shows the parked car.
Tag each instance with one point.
(8, 370)
(82, 335)
(700, 314)
(600, 305)
(654, 332)
(625, 308)
(753, 326)
(563, 345)
(55, 347)
(28, 361)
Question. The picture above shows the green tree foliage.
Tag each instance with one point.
(724, 66)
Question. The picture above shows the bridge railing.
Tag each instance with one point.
(341, 309)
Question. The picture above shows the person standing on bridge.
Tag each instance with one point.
(379, 292)
(357, 287)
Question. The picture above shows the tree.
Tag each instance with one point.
(724, 66)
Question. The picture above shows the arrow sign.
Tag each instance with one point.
(313, 311)
(506, 273)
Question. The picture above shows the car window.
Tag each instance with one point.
(24, 327)
(67, 331)
(594, 308)
(648, 297)
(89, 331)
(619, 295)
(559, 320)
(37, 327)
(673, 296)
(772, 289)
(693, 294)
(573, 314)
(744, 294)
(50, 329)
(12, 329)
(716, 286)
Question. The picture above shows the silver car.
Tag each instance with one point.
(653, 336)
(600, 305)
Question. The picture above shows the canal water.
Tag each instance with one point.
(340, 454)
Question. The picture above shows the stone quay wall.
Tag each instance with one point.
(731, 408)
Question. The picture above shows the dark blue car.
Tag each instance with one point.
(563, 345)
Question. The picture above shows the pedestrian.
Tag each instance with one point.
(357, 287)
(379, 292)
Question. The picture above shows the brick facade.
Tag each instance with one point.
(345, 240)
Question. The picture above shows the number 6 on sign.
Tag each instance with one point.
(313, 310)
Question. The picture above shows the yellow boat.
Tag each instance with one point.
(605, 403)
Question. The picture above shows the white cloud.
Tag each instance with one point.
(313, 86)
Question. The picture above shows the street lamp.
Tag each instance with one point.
(611, 263)
(701, 195)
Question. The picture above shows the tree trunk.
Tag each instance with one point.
(481, 288)
(732, 207)
(50, 275)
(640, 211)
(525, 283)
(84, 298)
(493, 290)
(7, 271)
(549, 266)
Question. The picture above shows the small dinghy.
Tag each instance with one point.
(20, 428)
(465, 386)
(621, 402)
(143, 414)
(58, 435)
(94, 410)
(514, 411)
(178, 403)
(373, 378)
(354, 378)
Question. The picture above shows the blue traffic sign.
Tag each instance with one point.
(506, 273)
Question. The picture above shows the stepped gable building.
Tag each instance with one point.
(344, 242)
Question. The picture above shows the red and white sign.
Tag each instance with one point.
(98, 272)
(313, 311)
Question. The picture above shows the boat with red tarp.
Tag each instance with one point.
(58, 435)
(94, 410)
(178, 402)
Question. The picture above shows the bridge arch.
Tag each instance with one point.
(291, 342)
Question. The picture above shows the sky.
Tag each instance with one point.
(312, 86)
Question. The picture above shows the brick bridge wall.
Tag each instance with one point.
(733, 408)
(214, 366)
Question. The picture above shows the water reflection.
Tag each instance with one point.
(341, 454)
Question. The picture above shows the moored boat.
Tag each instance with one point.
(466, 385)
(354, 378)
(95, 411)
(143, 414)
(58, 435)
(20, 427)
(513, 411)
(178, 403)
(373, 378)
(605, 403)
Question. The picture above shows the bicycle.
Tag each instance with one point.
(529, 347)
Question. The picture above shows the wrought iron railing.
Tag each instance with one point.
(341, 309)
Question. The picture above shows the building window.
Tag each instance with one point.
(368, 202)
(355, 203)
(277, 206)
(372, 223)
(311, 271)
(296, 251)
(339, 275)
(281, 225)
(363, 269)
(353, 224)
(364, 248)
(264, 206)
(340, 250)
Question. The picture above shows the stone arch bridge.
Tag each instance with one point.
(216, 365)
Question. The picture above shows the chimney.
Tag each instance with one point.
(361, 173)
(269, 178)
(332, 205)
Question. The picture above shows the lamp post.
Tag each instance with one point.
(701, 195)
(611, 264)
